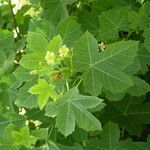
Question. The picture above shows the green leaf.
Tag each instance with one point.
(69, 30)
(144, 57)
(42, 26)
(54, 10)
(72, 107)
(13, 119)
(22, 74)
(55, 44)
(37, 42)
(5, 38)
(89, 21)
(143, 15)
(141, 19)
(113, 21)
(23, 137)
(31, 61)
(6, 141)
(129, 113)
(139, 88)
(53, 146)
(44, 90)
(147, 39)
(74, 147)
(110, 140)
(114, 97)
(67, 2)
(103, 69)
(133, 68)
(26, 99)
(3, 123)
(41, 133)
(103, 6)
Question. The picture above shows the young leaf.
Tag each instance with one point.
(103, 69)
(55, 44)
(44, 90)
(6, 140)
(23, 137)
(72, 107)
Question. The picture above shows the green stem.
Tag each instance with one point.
(14, 18)
(79, 82)
(128, 36)
(67, 85)
(122, 132)
(71, 63)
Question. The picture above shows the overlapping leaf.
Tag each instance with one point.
(147, 39)
(14, 119)
(139, 88)
(129, 113)
(26, 99)
(109, 140)
(89, 21)
(112, 22)
(72, 107)
(5, 38)
(23, 137)
(6, 141)
(44, 90)
(54, 10)
(42, 26)
(37, 47)
(69, 30)
(103, 69)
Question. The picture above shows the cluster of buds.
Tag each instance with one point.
(50, 57)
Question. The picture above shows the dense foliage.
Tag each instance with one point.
(74, 75)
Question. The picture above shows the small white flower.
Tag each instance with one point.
(102, 46)
(15, 61)
(50, 58)
(64, 51)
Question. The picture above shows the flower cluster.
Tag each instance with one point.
(50, 57)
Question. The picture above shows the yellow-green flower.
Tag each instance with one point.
(50, 58)
(64, 51)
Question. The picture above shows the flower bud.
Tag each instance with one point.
(33, 72)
